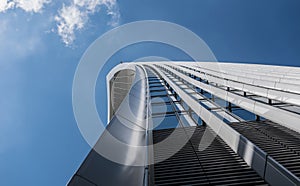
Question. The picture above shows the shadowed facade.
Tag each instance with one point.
(198, 123)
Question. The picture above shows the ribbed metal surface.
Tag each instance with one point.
(279, 142)
(120, 84)
(215, 165)
(281, 116)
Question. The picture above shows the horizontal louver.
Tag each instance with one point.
(216, 165)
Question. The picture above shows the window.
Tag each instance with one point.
(162, 108)
(244, 114)
(158, 88)
(220, 102)
(196, 118)
(186, 120)
(179, 107)
(164, 122)
(224, 116)
(160, 99)
(185, 106)
(158, 93)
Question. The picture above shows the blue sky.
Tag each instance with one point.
(42, 41)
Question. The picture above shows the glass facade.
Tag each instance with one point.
(167, 109)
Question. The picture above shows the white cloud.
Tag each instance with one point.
(74, 17)
(31, 5)
(115, 16)
(70, 19)
(113, 11)
(89, 5)
(5, 5)
(27, 5)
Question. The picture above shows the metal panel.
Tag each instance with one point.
(249, 85)
(192, 165)
(121, 141)
(282, 146)
(218, 165)
(109, 77)
(277, 175)
(230, 136)
(283, 117)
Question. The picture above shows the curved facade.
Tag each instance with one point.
(210, 123)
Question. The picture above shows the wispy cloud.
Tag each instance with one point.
(5, 5)
(35, 6)
(31, 5)
(70, 18)
(113, 11)
(75, 16)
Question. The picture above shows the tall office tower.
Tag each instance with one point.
(198, 123)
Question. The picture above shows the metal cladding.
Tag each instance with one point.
(100, 170)
(237, 124)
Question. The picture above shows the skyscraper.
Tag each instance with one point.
(198, 123)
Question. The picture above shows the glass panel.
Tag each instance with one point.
(158, 93)
(208, 105)
(154, 80)
(188, 90)
(179, 107)
(169, 92)
(196, 118)
(182, 86)
(161, 108)
(197, 89)
(164, 122)
(244, 114)
(220, 102)
(197, 96)
(157, 88)
(185, 106)
(155, 84)
(173, 98)
(225, 116)
(159, 99)
(186, 120)
(206, 94)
